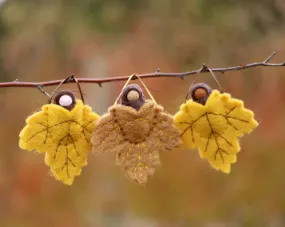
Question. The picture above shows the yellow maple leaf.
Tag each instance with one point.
(214, 128)
(64, 135)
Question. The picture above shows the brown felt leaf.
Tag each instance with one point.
(136, 137)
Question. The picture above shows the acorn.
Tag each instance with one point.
(200, 93)
(132, 96)
(65, 99)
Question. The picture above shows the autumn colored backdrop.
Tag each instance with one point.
(51, 39)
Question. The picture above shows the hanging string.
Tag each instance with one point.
(126, 84)
(203, 69)
(68, 79)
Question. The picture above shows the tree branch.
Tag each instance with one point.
(157, 74)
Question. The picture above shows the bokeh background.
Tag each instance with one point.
(42, 40)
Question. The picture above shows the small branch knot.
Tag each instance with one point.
(70, 79)
(204, 69)
(134, 77)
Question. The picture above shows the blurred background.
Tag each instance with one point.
(43, 40)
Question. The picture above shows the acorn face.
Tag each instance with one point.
(65, 99)
(132, 96)
(200, 93)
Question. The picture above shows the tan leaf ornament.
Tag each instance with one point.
(136, 130)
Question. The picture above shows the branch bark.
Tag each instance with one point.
(156, 74)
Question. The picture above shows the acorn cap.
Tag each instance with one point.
(200, 93)
(65, 99)
(132, 96)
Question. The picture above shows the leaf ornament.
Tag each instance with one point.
(136, 130)
(62, 130)
(213, 122)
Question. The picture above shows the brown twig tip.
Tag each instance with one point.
(156, 74)
(270, 57)
(43, 91)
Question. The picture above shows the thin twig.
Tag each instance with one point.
(157, 74)
(270, 57)
(42, 91)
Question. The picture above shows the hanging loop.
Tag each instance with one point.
(69, 79)
(133, 77)
(203, 69)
